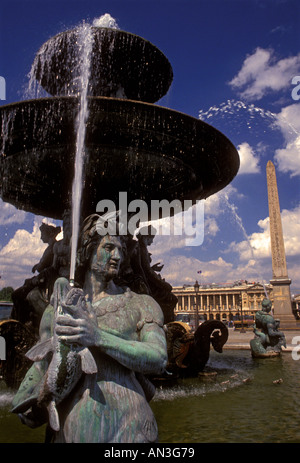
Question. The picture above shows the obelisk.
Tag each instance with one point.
(280, 281)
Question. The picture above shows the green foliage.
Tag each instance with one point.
(5, 294)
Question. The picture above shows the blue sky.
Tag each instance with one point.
(233, 64)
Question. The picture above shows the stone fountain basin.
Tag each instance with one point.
(148, 151)
(119, 60)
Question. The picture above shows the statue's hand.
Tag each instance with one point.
(76, 331)
(77, 324)
(157, 267)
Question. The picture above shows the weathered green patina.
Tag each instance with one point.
(124, 332)
(268, 339)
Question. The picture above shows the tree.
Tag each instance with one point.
(5, 294)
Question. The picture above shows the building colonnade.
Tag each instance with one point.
(214, 302)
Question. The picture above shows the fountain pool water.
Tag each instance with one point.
(239, 404)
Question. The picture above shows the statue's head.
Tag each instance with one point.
(266, 305)
(100, 249)
(277, 323)
(48, 232)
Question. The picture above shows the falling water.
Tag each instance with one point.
(78, 87)
(85, 42)
(235, 108)
(238, 220)
(252, 118)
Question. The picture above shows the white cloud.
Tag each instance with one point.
(211, 226)
(19, 255)
(261, 73)
(248, 160)
(214, 205)
(258, 248)
(179, 270)
(288, 158)
(9, 214)
(253, 257)
(214, 271)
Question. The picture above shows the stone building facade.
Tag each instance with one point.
(221, 302)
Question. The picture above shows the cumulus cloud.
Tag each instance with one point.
(252, 262)
(213, 271)
(261, 73)
(288, 158)
(248, 161)
(259, 242)
(207, 223)
(211, 227)
(214, 205)
(258, 247)
(9, 214)
(19, 255)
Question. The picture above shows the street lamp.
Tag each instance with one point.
(196, 288)
(242, 318)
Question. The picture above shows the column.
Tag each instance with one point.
(281, 282)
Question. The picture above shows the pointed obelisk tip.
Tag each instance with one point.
(270, 164)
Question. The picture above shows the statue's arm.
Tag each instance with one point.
(45, 261)
(149, 354)
(272, 330)
(56, 252)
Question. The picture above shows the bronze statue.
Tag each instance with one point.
(188, 352)
(123, 331)
(268, 339)
(31, 299)
(62, 248)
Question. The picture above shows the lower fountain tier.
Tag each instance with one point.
(148, 151)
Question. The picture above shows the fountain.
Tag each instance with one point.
(89, 140)
(160, 153)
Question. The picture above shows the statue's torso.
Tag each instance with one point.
(111, 406)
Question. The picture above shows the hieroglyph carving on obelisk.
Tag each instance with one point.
(277, 243)
(281, 283)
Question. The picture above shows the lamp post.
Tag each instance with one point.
(196, 288)
(242, 318)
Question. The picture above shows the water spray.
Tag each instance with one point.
(85, 40)
(85, 44)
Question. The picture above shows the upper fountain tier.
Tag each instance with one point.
(131, 145)
(123, 65)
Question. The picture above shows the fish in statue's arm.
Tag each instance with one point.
(68, 361)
